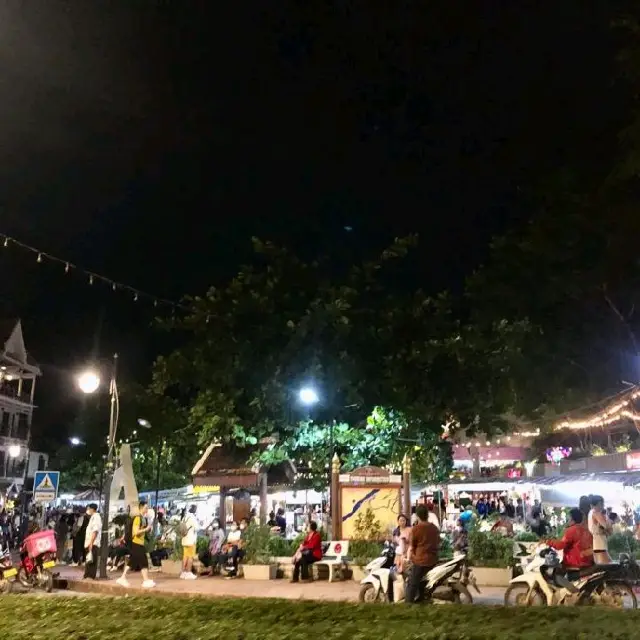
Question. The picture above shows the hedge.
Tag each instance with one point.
(62, 618)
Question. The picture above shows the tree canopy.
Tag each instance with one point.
(363, 338)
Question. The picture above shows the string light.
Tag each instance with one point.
(91, 277)
(620, 410)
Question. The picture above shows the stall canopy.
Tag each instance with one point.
(227, 466)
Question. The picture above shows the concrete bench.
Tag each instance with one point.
(336, 559)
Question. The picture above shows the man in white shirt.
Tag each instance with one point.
(189, 527)
(92, 541)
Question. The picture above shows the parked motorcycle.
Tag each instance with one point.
(447, 582)
(544, 583)
(8, 572)
(37, 558)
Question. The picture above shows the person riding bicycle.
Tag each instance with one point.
(577, 544)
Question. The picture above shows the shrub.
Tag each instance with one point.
(488, 549)
(364, 551)
(278, 546)
(367, 526)
(527, 536)
(202, 544)
(623, 543)
(256, 544)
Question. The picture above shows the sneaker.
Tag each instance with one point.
(190, 576)
(182, 575)
(123, 582)
(148, 584)
(74, 564)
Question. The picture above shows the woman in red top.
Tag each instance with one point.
(310, 551)
(577, 543)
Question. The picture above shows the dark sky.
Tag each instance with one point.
(150, 140)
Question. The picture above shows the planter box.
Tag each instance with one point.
(357, 573)
(172, 567)
(490, 577)
(260, 571)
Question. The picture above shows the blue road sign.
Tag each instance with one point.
(45, 486)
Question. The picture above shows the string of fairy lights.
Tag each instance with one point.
(620, 409)
(90, 277)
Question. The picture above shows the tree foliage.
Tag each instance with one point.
(362, 339)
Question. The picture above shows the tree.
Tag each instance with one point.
(361, 339)
(382, 441)
(82, 466)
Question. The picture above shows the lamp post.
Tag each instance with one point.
(89, 382)
(145, 424)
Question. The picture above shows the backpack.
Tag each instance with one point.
(183, 529)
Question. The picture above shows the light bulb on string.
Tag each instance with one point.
(66, 267)
(114, 286)
(135, 297)
(90, 279)
(6, 242)
(39, 258)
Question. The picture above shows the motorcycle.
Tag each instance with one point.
(544, 583)
(8, 572)
(37, 558)
(447, 582)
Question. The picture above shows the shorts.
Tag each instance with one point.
(189, 552)
(138, 558)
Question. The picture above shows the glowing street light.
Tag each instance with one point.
(75, 441)
(14, 451)
(308, 396)
(88, 381)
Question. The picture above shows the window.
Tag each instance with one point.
(5, 423)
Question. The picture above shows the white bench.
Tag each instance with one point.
(335, 559)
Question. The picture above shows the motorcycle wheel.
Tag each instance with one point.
(368, 593)
(23, 578)
(618, 595)
(517, 595)
(47, 580)
(462, 596)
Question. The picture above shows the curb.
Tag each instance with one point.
(109, 587)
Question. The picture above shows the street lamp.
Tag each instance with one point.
(89, 382)
(14, 451)
(75, 441)
(308, 396)
(145, 424)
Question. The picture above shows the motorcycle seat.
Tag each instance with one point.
(595, 568)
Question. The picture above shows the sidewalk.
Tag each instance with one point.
(207, 587)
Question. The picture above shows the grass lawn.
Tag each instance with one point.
(150, 618)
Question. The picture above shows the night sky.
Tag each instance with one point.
(149, 141)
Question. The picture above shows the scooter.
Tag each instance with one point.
(445, 583)
(543, 583)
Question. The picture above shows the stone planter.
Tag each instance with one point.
(172, 567)
(260, 571)
(490, 577)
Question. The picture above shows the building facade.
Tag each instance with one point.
(18, 376)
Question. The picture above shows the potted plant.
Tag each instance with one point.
(257, 563)
(491, 555)
(362, 552)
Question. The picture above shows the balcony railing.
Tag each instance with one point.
(10, 391)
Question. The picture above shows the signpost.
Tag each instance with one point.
(45, 486)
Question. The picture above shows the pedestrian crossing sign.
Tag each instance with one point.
(45, 486)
